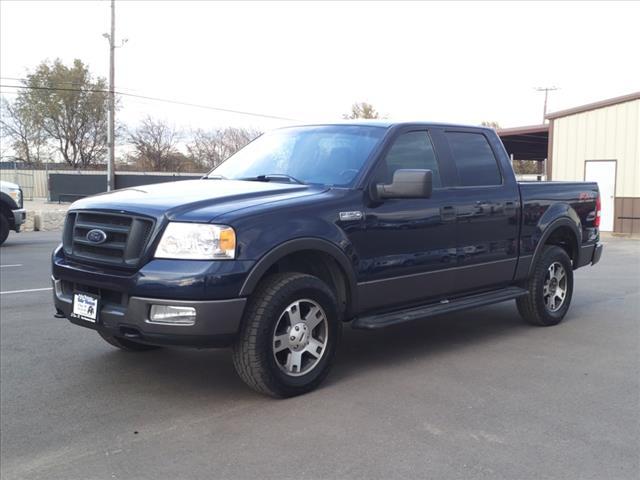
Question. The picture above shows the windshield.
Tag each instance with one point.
(326, 155)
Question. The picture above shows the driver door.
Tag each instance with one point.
(407, 246)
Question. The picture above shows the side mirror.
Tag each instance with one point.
(406, 184)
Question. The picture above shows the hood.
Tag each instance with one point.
(194, 200)
(4, 185)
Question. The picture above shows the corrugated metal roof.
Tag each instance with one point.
(595, 105)
(523, 130)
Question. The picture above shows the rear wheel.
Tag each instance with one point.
(289, 335)
(125, 343)
(550, 289)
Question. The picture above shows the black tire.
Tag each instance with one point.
(4, 228)
(533, 307)
(125, 343)
(253, 351)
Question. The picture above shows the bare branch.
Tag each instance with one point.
(211, 148)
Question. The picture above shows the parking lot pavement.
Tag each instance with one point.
(476, 394)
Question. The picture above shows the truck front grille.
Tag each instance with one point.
(124, 241)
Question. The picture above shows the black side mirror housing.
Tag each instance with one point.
(407, 183)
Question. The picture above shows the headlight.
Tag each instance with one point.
(16, 194)
(197, 241)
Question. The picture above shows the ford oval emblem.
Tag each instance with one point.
(96, 236)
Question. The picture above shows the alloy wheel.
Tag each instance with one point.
(300, 337)
(554, 290)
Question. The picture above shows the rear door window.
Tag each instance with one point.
(474, 159)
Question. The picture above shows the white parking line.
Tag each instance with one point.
(26, 291)
(7, 266)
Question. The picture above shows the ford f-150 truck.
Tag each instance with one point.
(309, 227)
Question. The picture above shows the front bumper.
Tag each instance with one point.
(211, 288)
(19, 217)
(217, 321)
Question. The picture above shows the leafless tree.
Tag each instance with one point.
(211, 148)
(155, 143)
(20, 130)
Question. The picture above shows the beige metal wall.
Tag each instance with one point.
(607, 133)
(34, 183)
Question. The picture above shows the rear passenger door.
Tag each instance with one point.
(486, 201)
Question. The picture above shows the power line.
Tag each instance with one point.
(156, 99)
(18, 79)
(59, 89)
(220, 109)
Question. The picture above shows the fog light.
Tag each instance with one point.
(172, 315)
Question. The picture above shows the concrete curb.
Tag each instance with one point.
(44, 220)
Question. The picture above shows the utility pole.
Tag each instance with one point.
(546, 91)
(111, 141)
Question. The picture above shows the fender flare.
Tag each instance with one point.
(548, 231)
(297, 245)
(6, 199)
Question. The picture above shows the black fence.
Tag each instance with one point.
(68, 187)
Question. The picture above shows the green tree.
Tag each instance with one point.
(361, 110)
(69, 106)
(528, 167)
(490, 123)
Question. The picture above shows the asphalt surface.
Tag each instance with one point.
(477, 394)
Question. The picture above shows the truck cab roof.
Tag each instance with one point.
(383, 123)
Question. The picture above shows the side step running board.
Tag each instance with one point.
(382, 320)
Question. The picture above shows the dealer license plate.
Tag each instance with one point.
(85, 307)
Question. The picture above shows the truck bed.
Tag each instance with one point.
(539, 197)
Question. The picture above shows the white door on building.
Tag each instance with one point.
(603, 172)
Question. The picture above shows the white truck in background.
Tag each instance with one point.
(12, 212)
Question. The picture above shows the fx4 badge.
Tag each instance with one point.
(351, 216)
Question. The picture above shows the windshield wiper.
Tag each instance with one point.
(215, 177)
(267, 177)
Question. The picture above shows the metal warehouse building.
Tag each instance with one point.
(601, 142)
(595, 142)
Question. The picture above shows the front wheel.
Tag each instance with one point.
(550, 289)
(4, 228)
(289, 335)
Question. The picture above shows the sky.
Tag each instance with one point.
(452, 62)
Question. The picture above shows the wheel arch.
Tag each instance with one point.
(5, 210)
(562, 232)
(309, 255)
(7, 201)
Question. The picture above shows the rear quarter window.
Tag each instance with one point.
(474, 159)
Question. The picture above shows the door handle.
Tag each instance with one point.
(448, 213)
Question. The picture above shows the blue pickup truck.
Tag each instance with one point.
(313, 226)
